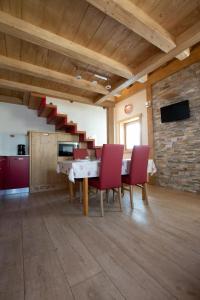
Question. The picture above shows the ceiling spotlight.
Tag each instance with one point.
(78, 77)
(108, 86)
(100, 77)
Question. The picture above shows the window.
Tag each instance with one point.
(130, 133)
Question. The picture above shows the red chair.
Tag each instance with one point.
(138, 171)
(110, 171)
(80, 153)
(98, 153)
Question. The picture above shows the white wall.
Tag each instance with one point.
(9, 142)
(138, 101)
(91, 119)
(17, 120)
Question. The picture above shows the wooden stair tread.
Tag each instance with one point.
(89, 140)
(61, 115)
(81, 132)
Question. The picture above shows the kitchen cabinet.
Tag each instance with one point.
(14, 172)
(17, 172)
(2, 171)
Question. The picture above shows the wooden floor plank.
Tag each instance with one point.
(78, 264)
(98, 287)
(165, 271)
(128, 276)
(11, 280)
(44, 278)
(48, 250)
(11, 252)
(36, 239)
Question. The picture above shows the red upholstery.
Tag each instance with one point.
(110, 169)
(138, 166)
(80, 153)
(98, 153)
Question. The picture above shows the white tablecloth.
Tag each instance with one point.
(90, 168)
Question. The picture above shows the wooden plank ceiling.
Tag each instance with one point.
(46, 44)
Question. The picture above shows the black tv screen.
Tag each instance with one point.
(175, 112)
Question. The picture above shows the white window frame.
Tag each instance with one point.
(122, 130)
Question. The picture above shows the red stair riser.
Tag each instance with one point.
(61, 124)
(52, 116)
(82, 137)
(71, 128)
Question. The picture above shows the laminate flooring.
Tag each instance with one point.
(50, 251)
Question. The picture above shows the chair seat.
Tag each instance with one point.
(126, 179)
(94, 182)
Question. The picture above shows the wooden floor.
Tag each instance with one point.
(49, 251)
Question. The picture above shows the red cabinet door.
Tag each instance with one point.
(17, 173)
(2, 171)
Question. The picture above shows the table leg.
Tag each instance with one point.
(71, 190)
(85, 196)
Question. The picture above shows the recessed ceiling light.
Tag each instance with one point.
(78, 77)
(100, 77)
(108, 86)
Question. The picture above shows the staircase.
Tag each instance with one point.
(49, 111)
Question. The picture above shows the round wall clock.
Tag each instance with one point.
(128, 108)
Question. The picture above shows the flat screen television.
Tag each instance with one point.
(175, 112)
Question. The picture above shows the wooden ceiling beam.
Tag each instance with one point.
(106, 104)
(39, 36)
(10, 99)
(184, 54)
(161, 73)
(130, 15)
(186, 40)
(44, 91)
(44, 73)
(26, 98)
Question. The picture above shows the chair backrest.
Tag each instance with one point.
(98, 153)
(139, 163)
(111, 166)
(80, 153)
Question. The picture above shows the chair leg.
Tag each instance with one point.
(113, 190)
(120, 198)
(80, 191)
(144, 192)
(107, 196)
(71, 191)
(101, 203)
(131, 196)
(122, 190)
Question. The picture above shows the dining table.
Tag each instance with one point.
(89, 168)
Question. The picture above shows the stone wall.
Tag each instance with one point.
(177, 144)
